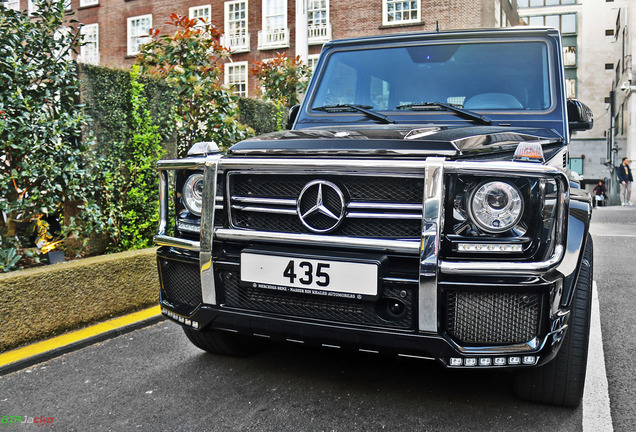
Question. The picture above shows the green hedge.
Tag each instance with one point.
(47, 301)
(105, 93)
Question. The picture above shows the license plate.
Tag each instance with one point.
(309, 275)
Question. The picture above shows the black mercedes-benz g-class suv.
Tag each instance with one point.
(418, 206)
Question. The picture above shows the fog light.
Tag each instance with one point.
(470, 362)
(485, 362)
(529, 360)
(514, 360)
(456, 362)
(500, 361)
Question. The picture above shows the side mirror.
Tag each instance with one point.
(580, 116)
(293, 113)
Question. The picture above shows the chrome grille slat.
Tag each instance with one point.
(382, 206)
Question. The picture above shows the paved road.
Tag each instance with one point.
(153, 379)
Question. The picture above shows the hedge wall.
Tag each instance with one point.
(106, 95)
(47, 301)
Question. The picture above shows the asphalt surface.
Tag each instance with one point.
(154, 379)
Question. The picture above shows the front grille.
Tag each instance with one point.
(181, 285)
(376, 206)
(492, 317)
(333, 309)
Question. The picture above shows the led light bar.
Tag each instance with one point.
(188, 226)
(493, 361)
(179, 318)
(490, 247)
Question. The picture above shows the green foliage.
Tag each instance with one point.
(9, 259)
(124, 204)
(283, 78)
(262, 116)
(45, 165)
(141, 209)
(190, 61)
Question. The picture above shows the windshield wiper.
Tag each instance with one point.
(470, 115)
(364, 109)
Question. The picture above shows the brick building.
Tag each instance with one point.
(258, 29)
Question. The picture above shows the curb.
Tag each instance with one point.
(26, 360)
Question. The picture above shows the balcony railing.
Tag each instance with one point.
(319, 34)
(271, 39)
(236, 43)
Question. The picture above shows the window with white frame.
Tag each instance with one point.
(236, 35)
(84, 3)
(312, 61)
(89, 51)
(275, 33)
(318, 26)
(564, 22)
(236, 77)
(202, 12)
(400, 12)
(138, 32)
(12, 4)
(31, 7)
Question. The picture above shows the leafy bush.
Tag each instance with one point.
(44, 163)
(283, 78)
(190, 61)
(261, 116)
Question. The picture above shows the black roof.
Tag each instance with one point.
(446, 34)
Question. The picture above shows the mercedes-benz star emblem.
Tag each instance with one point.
(321, 206)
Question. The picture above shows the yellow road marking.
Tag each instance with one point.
(75, 336)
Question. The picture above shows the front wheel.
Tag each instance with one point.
(227, 344)
(561, 381)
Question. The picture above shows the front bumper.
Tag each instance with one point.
(426, 332)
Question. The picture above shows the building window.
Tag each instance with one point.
(12, 4)
(576, 165)
(312, 61)
(569, 56)
(275, 33)
(89, 51)
(318, 26)
(400, 12)
(236, 77)
(566, 23)
(609, 32)
(609, 66)
(138, 33)
(236, 36)
(541, 3)
(202, 12)
(570, 88)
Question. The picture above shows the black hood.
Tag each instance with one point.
(397, 141)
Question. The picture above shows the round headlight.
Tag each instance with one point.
(193, 193)
(496, 206)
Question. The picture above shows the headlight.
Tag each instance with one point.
(496, 206)
(193, 193)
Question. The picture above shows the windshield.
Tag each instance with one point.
(475, 76)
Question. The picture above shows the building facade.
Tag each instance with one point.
(258, 29)
(597, 63)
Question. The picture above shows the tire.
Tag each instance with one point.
(227, 344)
(561, 381)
